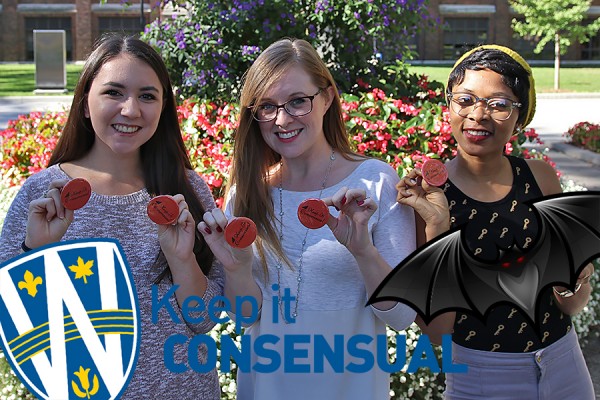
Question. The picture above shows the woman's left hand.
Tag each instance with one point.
(351, 227)
(177, 240)
(586, 274)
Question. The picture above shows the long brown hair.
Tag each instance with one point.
(165, 161)
(253, 159)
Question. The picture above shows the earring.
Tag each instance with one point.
(518, 130)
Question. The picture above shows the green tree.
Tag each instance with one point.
(208, 44)
(554, 20)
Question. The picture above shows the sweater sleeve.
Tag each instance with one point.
(15, 222)
(216, 277)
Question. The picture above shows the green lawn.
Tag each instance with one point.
(571, 79)
(19, 79)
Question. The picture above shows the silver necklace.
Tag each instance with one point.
(279, 264)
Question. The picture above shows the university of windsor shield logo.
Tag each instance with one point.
(69, 319)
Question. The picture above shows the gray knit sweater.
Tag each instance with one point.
(124, 218)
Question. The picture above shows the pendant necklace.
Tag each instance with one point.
(301, 259)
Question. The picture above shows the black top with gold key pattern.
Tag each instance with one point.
(488, 227)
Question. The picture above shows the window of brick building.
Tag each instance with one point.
(37, 23)
(123, 25)
(462, 34)
(591, 49)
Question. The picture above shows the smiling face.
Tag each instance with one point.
(296, 136)
(477, 133)
(124, 105)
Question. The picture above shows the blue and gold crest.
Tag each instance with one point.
(69, 319)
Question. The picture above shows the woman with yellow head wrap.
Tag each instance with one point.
(491, 96)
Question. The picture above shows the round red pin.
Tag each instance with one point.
(75, 194)
(434, 172)
(313, 213)
(163, 210)
(240, 232)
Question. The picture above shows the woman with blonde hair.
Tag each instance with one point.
(312, 284)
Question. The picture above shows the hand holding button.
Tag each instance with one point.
(229, 240)
(313, 213)
(51, 215)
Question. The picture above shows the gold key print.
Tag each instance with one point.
(471, 334)
(473, 213)
(546, 334)
(523, 326)
(500, 329)
(546, 316)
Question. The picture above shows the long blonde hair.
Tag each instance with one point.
(253, 159)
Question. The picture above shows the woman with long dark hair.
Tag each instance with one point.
(122, 136)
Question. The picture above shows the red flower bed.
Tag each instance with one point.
(402, 132)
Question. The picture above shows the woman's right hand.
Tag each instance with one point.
(212, 228)
(428, 201)
(48, 219)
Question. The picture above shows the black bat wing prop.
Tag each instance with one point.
(445, 276)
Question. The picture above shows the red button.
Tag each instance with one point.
(313, 213)
(434, 172)
(75, 194)
(163, 210)
(240, 232)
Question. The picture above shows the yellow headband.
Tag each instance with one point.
(515, 56)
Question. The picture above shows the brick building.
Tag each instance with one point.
(463, 23)
(466, 23)
(82, 20)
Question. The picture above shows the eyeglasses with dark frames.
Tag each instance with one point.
(499, 108)
(296, 107)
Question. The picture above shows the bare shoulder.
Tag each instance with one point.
(545, 176)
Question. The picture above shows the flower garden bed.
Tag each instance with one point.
(403, 132)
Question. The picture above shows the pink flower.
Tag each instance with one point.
(362, 84)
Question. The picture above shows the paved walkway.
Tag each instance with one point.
(12, 107)
(554, 116)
